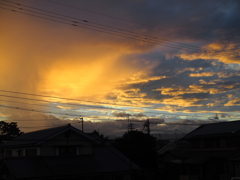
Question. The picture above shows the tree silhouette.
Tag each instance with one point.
(100, 135)
(139, 147)
(8, 131)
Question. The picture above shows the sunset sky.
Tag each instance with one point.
(170, 61)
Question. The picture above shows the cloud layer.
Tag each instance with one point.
(185, 65)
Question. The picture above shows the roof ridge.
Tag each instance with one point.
(219, 128)
(46, 129)
(213, 123)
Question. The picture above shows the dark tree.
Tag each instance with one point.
(100, 135)
(139, 147)
(8, 131)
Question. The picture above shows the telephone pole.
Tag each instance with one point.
(147, 126)
(82, 122)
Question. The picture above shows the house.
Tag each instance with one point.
(210, 152)
(63, 152)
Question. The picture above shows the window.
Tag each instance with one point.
(31, 152)
(67, 150)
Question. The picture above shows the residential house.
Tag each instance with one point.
(210, 152)
(63, 152)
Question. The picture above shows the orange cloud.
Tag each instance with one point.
(180, 102)
(190, 69)
(234, 101)
(227, 53)
(135, 80)
(204, 82)
(192, 89)
(224, 74)
(215, 46)
(168, 108)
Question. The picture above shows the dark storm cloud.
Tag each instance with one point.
(204, 19)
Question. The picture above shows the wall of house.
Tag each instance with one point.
(215, 142)
(71, 139)
(15, 151)
(209, 143)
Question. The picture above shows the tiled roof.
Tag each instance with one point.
(215, 129)
(105, 159)
(35, 137)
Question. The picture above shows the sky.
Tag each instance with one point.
(172, 62)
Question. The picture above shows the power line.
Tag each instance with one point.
(115, 33)
(32, 110)
(79, 105)
(33, 120)
(132, 35)
(101, 25)
(72, 100)
(92, 106)
(56, 97)
(29, 103)
(167, 30)
(126, 34)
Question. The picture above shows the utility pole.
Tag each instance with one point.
(130, 147)
(175, 134)
(128, 122)
(82, 123)
(130, 126)
(147, 126)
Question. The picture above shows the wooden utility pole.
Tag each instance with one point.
(82, 123)
(147, 126)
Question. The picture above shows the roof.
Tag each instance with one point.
(105, 159)
(215, 129)
(38, 137)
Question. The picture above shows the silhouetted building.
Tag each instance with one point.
(63, 153)
(210, 152)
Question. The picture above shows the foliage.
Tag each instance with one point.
(8, 131)
(100, 135)
(139, 147)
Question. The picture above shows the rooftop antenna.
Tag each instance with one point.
(216, 117)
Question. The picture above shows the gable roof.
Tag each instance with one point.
(215, 129)
(40, 136)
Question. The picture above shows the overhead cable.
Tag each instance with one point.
(162, 40)
(126, 20)
(32, 110)
(114, 32)
(129, 35)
